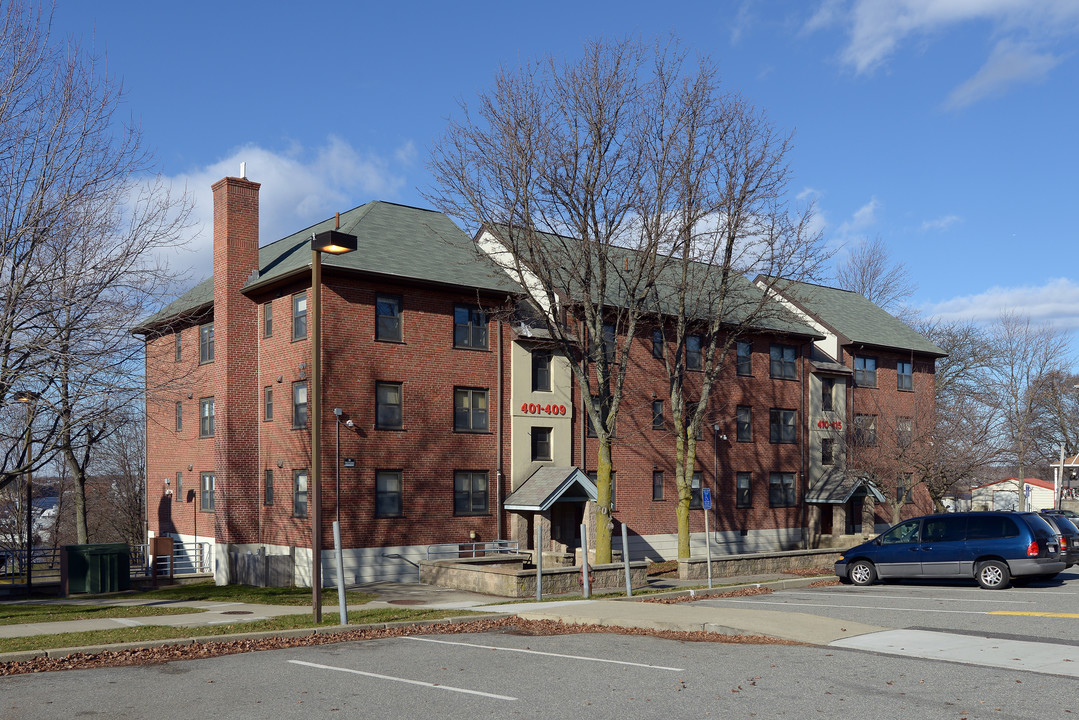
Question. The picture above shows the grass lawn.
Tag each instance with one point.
(198, 592)
(34, 613)
(157, 632)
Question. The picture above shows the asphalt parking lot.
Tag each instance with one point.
(1045, 611)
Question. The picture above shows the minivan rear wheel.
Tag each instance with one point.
(993, 574)
(862, 573)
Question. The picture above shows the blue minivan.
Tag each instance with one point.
(991, 547)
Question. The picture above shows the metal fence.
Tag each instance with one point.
(187, 559)
(45, 568)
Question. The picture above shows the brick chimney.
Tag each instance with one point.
(236, 250)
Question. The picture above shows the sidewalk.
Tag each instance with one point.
(623, 612)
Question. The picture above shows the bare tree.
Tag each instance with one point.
(121, 465)
(548, 164)
(1056, 423)
(1027, 358)
(716, 213)
(83, 232)
(869, 271)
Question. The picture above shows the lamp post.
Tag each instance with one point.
(30, 398)
(334, 242)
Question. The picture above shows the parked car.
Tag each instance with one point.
(991, 547)
(1069, 535)
(1070, 514)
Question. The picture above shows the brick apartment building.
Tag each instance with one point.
(457, 425)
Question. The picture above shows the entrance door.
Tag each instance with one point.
(566, 521)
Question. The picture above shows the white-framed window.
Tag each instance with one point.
(207, 491)
(206, 417)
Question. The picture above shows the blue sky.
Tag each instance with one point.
(946, 127)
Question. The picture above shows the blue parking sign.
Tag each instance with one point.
(706, 498)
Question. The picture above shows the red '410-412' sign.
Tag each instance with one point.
(830, 424)
(537, 409)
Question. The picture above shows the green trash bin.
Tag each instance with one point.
(98, 568)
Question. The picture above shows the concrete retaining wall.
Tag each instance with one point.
(506, 576)
(696, 568)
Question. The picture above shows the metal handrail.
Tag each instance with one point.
(474, 549)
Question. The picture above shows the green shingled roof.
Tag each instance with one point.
(858, 320)
(396, 241)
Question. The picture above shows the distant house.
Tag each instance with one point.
(1004, 494)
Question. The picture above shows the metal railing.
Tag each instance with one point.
(46, 565)
(186, 559)
(475, 549)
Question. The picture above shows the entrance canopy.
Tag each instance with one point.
(837, 488)
(547, 486)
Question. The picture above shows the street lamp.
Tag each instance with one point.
(30, 398)
(334, 242)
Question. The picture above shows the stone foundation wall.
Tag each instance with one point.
(507, 576)
(696, 568)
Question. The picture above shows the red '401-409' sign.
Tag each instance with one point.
(537, 409)
(830, 424)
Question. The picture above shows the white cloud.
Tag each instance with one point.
(1056, 302)
(941, 223)
(300, 186)
(1010, 64)
(862, 219)
(1024, 32)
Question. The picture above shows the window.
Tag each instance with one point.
(945, 529)
(744, 422)
(178, 345)
(904, 489)
(695, 492)
(469, 492)
(267, 403)
(469, 328)
(541, 371)
(657, 485)
(905, 375)
(865, 430)
(469, 409)
(267, 489)
(904, 428)
(657, 415)
(657, 343)
(827, 451)
(827, 394)
(299, 493)
(693, 352)
(610, 342)
(388, 493)
(206, 343)
(743, 490)
(745, 357)
(179, 416)
(388, 415)
(299, 404)
(206, 417)
(782, 426)
(783, 362)
(388, 318)
(267, 319)
(178, 494)
(541, 443)
(781, 489)
(902, 533)
(865, 372)
(299, 316)
(207, 492)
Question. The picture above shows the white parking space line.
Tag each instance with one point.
(557, 655)
(403, 680)
(994, 600)
(857, 607)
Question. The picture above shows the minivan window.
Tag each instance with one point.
(991, 527)
(945, 529)
(902, 533)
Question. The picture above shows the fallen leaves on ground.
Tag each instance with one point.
(192, 651)
(706, 595)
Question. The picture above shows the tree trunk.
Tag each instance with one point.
(603, 522)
